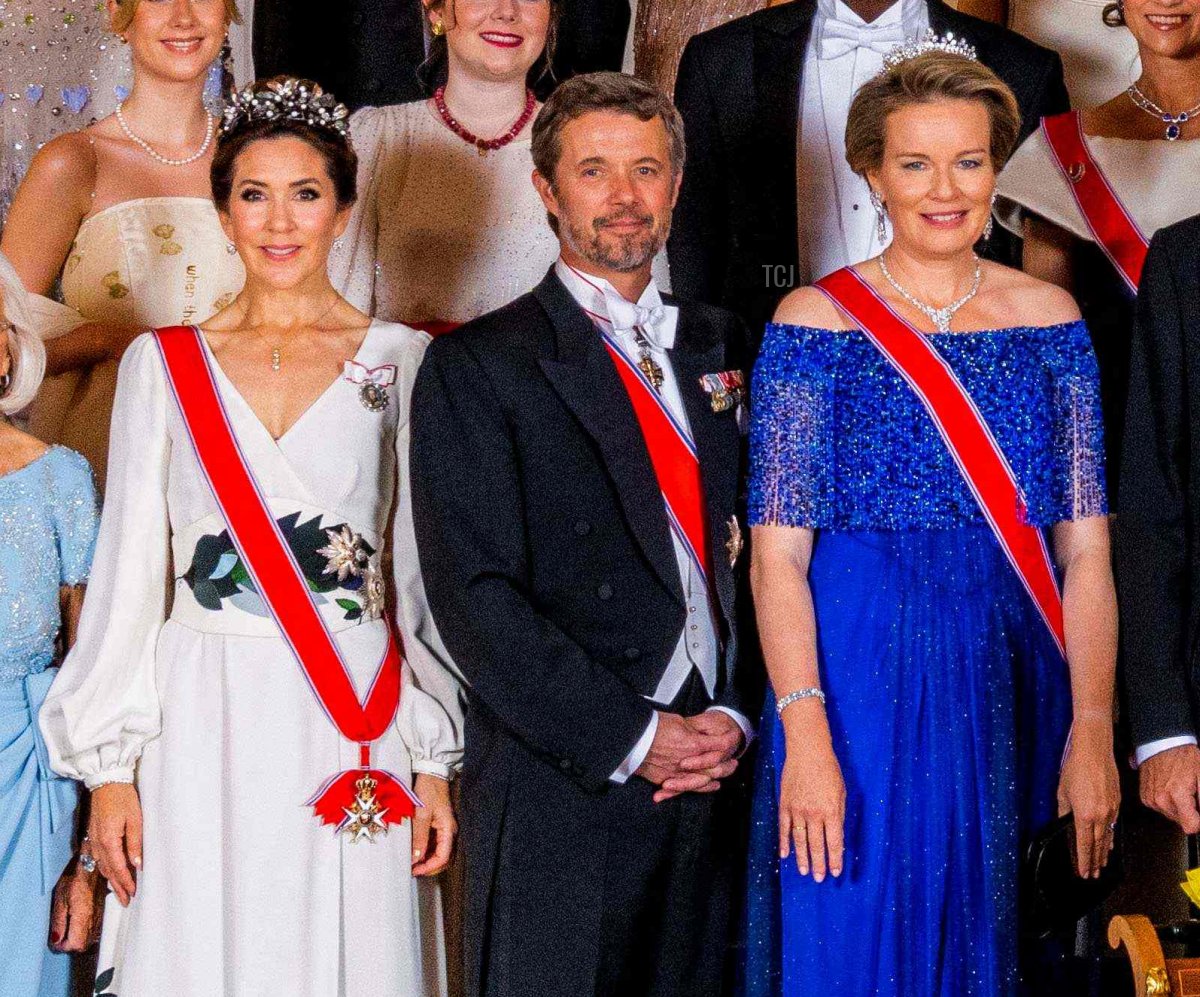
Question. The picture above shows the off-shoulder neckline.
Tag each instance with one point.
(1003, 331)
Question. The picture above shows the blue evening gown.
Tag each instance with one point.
(948, 701)
(48, 523)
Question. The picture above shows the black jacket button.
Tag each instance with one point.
(604, 591)
(565, 765)
(583, 528)
(632, 654)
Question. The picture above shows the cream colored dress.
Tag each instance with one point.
(150, 262)
(440, 233)
(179, 679)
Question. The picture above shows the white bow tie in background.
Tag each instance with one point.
(839, 38)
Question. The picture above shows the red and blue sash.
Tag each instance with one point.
(280, 582)
(966, 434)
(1111, 225)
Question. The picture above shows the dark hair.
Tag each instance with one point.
(341, 161)
(1114, 15)
(433, 71)
(590, 92)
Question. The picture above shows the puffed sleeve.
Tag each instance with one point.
(352, 261)
(103, 707)
(76, 518)
(430, 719)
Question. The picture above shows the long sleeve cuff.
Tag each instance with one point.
(427, 766)
(741, 721)
(1147, 751)
(633, 761)
(121, 773)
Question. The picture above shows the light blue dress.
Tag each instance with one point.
(48, 523)
(948, 701)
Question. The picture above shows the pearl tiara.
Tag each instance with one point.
(286, 99)
(930, 43)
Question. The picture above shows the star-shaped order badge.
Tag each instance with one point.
(364, 817)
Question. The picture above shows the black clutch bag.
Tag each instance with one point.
(1053, 895)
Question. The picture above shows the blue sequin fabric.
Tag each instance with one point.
(839, 441)
(48, 523)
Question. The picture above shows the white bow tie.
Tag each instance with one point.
(626, 316)
(839, 38)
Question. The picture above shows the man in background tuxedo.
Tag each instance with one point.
(768, 201)
(575, 464)
(1158, 530)
(370, 51)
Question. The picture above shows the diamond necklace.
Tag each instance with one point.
(1172, 121)
(209, 129)
(940, 317)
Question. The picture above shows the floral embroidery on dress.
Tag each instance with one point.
(332, 560)
(169, 246)
(112, 280)
(74, 258)
(224, 301)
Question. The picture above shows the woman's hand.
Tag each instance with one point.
(812, 807)
(115, 831)
(1089, 789)
(76, 909)
(437, 816)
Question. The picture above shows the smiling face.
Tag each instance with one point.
(494, 39)
(175, 40)
(1170, 28)
(283, 212)
(613, 190)
(937, 176)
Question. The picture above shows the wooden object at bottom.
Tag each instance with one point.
(1153, 974)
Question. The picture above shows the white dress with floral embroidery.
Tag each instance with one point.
(180, 681)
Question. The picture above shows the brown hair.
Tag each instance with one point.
(341, 161)
(127, 8)
(1113, 15)
(927, 78)
(590, 92)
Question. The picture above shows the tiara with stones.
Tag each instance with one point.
(286, 99)
(930, 43)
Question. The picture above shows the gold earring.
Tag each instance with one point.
(438, 29)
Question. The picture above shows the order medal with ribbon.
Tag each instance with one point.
(725, 389)
(372, 382)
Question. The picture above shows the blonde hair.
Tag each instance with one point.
(925, 79)
(25, 348)
(127, 8)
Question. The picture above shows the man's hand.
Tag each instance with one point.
(691, 754)
(1170, 782)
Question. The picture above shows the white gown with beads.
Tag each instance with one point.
(180, 681)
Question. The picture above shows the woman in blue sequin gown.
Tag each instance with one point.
(937, 752)
(48, 523)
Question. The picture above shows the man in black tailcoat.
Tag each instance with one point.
(575, 463)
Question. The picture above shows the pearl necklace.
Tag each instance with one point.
(145, 146)
(1172, 121)
(940, 317)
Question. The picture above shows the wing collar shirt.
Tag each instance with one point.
(699, 646)
(837, 223)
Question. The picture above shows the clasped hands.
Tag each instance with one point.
(691, 754)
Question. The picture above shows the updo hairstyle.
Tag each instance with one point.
(341, 161)
(926, 79)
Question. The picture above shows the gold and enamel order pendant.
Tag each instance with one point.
(373, 397)
(364, 818)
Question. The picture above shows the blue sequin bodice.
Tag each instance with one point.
(48, 523)
(839, 440)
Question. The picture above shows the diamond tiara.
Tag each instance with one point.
(930, 43)
(286, 99)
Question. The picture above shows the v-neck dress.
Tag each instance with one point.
(180, 682)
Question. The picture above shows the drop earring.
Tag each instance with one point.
(989, 225)
(880, 215)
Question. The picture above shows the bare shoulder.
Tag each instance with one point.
(1025, 300)
(67, 158)
(810, 307)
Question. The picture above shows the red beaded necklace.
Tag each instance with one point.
(484, 145)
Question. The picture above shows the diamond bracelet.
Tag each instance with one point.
(795, 697)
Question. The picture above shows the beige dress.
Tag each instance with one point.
(149, 262)
(440, 233)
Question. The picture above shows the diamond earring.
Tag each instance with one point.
(989, 225)
(880, 215)
(230, 248)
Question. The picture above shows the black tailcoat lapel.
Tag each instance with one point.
(584, 376)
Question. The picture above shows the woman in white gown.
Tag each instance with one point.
(181, 707)
(121, 212)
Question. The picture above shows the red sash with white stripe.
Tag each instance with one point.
(281, 583)
(1110, 223)
(673, 455)
(966, 434)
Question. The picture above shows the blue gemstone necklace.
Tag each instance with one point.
(1174, 122)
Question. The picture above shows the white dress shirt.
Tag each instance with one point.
(699, 646)
(836, 220)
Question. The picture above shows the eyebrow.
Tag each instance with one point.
(250, 182)
(925, 155)
(592, 160)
